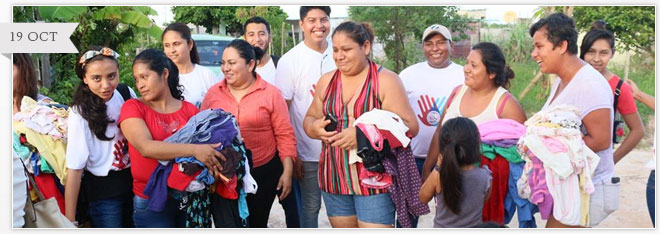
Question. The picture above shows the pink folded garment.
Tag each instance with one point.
(373, 135)
(500, 129)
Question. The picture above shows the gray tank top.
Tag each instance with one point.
(476, 183)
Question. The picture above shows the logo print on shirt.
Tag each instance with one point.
(121, 159)
(313, 90)
(430, 111)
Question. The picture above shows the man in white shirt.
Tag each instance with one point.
(256, 31)
(428, 86)
(297, 73)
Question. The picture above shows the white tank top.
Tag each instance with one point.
(488, 114)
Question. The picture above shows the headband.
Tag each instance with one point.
(105, 51)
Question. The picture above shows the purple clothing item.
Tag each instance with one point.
(505, 143)
(156, 187)
(206, 127)
(540, 193)
(406, 183)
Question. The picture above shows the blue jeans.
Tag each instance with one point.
(650, 196)
(111, 213)
(311, 196)
(170, 217)
(377, 209)
(419, 162)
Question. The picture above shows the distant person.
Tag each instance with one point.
(580, 85)
(597, 49)
(297, 74)
(256, 31)
(196, 79)
(459, 187)
(428, 85)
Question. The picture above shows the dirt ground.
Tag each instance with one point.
(632, 212)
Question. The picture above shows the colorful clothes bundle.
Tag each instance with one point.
(553, 150)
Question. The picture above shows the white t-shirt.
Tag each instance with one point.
(298, 71)
(197, 83)
(588, 91)
(85, 151)
(267, 72)
(425, 85)
(19, 197)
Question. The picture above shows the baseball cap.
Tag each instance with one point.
(436, 28)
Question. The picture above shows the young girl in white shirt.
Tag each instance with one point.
(97, 157)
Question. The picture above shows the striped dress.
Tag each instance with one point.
(336, 175)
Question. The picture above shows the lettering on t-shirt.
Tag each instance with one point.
(429, 108)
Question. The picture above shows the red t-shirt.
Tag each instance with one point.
(626, 102)
(160, 126)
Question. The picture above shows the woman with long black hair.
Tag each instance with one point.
(96, 145)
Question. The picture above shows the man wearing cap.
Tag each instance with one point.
(428, 85)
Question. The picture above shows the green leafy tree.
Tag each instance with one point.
(633, 26)
(209, 16)
(122, 28)
(400, 28)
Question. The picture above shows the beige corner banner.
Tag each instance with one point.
(37, 38)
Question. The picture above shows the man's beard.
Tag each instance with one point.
(265, 49)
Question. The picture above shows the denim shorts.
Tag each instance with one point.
(377, 209)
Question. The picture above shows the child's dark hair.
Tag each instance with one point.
(305, 9)
(158, 62)
(247, 52)
(495, 62)
(459, 145)
(184, 32)
(598, 31)
(90, 106)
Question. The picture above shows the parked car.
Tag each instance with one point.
(210, 48)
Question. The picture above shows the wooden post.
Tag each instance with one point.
(530, 85)
(45, 70)
(283, 39)
(293, 29)
(627, 68)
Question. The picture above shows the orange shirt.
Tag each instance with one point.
(263, 119)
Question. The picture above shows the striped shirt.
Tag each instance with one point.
(336, 175)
